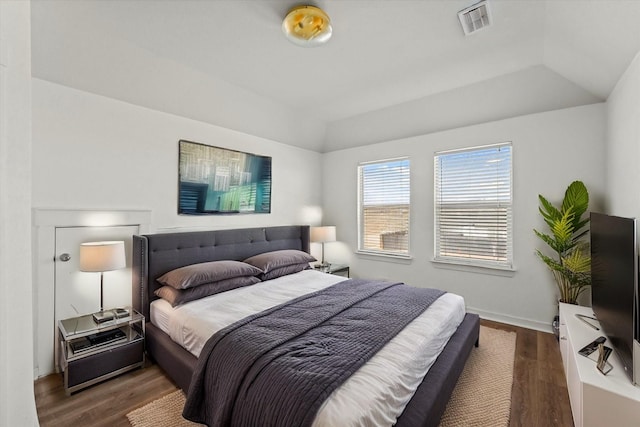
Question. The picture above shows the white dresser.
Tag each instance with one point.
(596, 400)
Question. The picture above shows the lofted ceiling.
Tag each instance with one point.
(226, 62)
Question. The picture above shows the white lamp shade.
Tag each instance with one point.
(323, 234)
(102, 256)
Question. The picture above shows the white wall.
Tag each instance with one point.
(623, 144)
(17, 404)
(550, 150)
(93, 152)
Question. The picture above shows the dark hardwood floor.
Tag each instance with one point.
(539, 394)
(104, 404)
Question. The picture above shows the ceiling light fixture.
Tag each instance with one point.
(307, 26)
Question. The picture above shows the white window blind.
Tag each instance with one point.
(383, 207)
(473, 198)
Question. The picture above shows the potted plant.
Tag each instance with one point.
(571, 265)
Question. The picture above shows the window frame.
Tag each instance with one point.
(360, 208)
(508, 264)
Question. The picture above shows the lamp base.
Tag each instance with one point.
(102, 316)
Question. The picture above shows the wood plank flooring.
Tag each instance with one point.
(539, 394)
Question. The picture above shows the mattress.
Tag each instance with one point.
(377, 393)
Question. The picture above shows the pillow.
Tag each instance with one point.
(283, 271)
(271, 260)
(181, 296)
(206, 272)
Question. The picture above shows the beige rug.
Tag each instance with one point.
(481, 398)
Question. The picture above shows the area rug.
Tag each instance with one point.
(163, 412)
(481, 398)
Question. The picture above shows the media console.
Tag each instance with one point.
(596, 400)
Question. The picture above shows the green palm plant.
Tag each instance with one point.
(572, 266)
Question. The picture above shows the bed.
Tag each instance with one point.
(157, 254)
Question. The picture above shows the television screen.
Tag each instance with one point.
(614, 272)
(214, 180)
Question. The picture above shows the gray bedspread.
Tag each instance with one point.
(276, 368)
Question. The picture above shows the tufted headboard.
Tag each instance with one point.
(156, 254)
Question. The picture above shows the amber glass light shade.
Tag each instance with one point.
(307, 26)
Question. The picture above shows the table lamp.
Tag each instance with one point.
(100, 257)
(323, 235)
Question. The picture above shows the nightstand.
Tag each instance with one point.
(91, 352)
(337, 269)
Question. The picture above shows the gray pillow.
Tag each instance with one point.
(207, 272)
(283, 271)
(181, 296)
(276, 259)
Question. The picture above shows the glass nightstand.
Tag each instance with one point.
(337, 269)
(92, 352)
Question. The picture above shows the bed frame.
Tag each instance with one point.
(156, 254)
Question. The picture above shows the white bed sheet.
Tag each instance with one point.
(377, 393)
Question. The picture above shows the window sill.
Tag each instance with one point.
(474, 268)
(385, 256)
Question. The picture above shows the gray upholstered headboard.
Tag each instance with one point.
(156, 254)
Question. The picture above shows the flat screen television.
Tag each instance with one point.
(614, 289)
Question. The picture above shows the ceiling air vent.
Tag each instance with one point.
(475, 17)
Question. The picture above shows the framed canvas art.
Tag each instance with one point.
(215, 180)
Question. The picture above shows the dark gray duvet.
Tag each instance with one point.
(276, 368)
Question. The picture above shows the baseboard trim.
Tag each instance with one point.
(511, 320)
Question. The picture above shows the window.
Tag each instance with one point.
(473, 198)
(383, 207)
